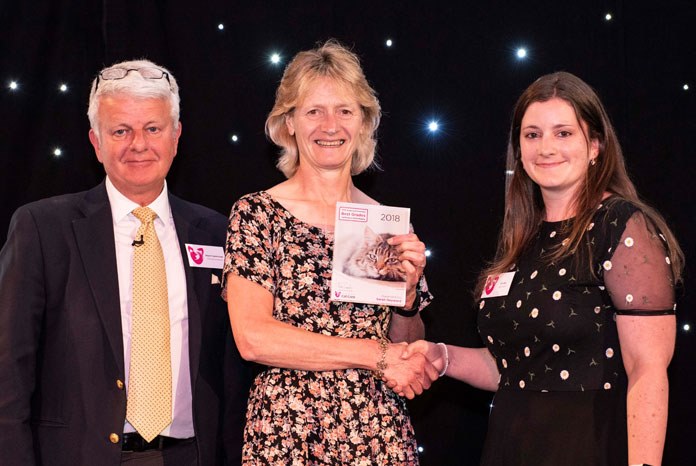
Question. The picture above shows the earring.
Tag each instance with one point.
(593, 162)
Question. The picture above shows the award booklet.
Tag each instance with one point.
(366, 269)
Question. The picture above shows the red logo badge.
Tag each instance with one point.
(490, 284)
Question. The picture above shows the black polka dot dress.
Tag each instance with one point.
(562, 393)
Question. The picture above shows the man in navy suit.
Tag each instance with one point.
(66, 293)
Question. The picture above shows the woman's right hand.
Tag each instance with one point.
(408, 375)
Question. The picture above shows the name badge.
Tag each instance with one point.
(200, 255)
(497, 285)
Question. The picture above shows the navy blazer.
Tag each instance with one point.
(61, 344)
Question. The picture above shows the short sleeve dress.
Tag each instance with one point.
(297, 417)
(562, 394)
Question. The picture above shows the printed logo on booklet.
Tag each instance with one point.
(352, 214)
(366, 269)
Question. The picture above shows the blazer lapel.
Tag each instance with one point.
(94, 236)
(198, 279)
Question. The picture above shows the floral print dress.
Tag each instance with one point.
(561, 399)
(298, 417)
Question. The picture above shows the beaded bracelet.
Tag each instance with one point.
(444, 369)
(382, 362)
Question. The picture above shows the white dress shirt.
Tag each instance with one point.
(125, 228)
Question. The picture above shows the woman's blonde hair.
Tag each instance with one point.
(335, 61)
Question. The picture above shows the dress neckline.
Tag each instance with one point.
(325, 233)
(569, 220)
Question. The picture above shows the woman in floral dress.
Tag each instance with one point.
(577, 310)
(322, 398)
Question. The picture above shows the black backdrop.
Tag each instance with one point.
(452, 61)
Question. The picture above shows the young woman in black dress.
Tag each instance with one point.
(577, 309)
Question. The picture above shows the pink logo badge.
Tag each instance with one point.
(196, 255)
(337, 293)
(490, 283)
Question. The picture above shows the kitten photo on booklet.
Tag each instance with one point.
(366, 269)
(374, 258)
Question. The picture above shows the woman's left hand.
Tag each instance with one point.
(412, 256)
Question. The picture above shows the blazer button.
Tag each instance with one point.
(114, 438)
(119, 384)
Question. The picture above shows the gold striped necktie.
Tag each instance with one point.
(149, 408)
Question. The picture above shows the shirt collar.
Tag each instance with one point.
(121, 206)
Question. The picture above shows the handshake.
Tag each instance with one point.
(412, 368)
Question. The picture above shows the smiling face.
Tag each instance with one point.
(554, 148)
(326, 124)
(137, 143)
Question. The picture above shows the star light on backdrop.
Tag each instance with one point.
(433, 126)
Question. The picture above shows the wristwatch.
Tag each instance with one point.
(415, 307)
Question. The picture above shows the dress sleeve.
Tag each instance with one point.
(426, 296)
(249, 246)
(638, 274)
(422, 286)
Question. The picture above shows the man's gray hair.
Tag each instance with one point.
(133, 84)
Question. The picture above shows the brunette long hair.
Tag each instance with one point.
(524, 206)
